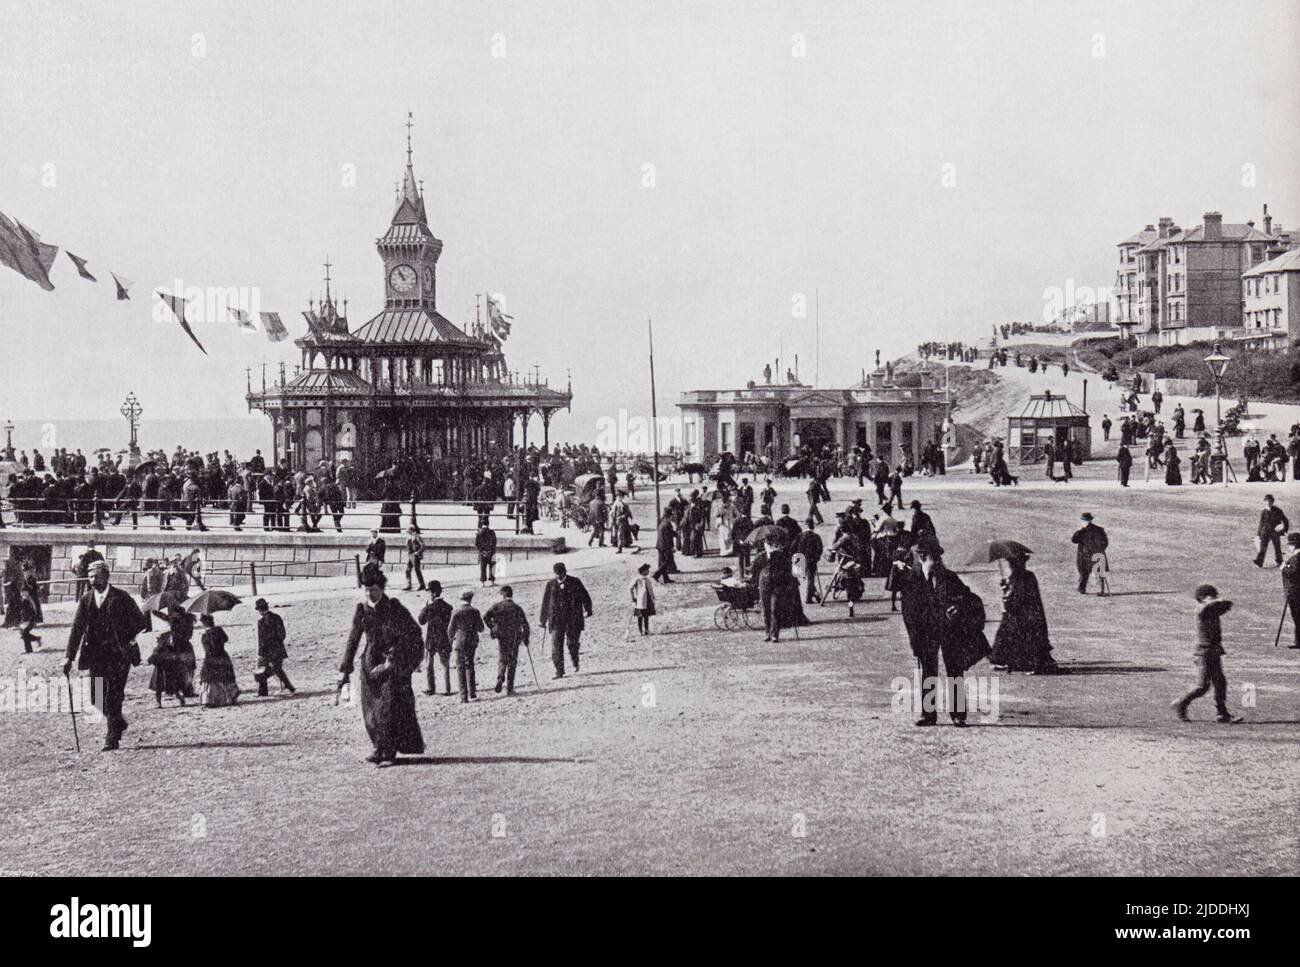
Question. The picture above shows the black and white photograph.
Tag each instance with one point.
(628, 439)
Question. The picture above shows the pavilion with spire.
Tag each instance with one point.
(408, 379)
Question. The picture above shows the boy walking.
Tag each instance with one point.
(1209, 655)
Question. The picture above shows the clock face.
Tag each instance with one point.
(402, 278)
(428, 279)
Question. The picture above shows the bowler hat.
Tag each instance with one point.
(1085, 516)
(261, 605)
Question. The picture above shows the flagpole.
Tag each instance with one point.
(654, 420)
(817, 336)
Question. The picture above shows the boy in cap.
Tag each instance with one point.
(463, 630)
(1209, 655)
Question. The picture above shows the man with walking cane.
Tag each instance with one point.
(103, 631)
(508, 624)
(1291, 588)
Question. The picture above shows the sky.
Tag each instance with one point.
(908, 171)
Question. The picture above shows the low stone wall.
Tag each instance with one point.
(231, 559)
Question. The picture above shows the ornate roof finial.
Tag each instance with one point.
(409, 124)
(327, 278)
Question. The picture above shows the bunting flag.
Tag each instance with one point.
(177, 306)
(242, 320)
(80, 263)
(23, 251)
(122, 285)
(499, 321)
(275, 330)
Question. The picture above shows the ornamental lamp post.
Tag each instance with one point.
(131, 409)
(1217, 363)
(9, 440)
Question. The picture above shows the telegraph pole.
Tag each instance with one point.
(654, 420)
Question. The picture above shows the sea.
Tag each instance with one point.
(240, 436)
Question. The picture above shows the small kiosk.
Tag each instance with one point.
(1046, 417)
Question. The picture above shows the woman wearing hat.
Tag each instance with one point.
(643, 598)
(1021, 643)
(217, 685)
(393, 651)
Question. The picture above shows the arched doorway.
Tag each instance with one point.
(816, 434)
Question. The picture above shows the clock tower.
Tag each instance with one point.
(409, 249)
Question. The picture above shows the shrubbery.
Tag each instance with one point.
(1256, 374)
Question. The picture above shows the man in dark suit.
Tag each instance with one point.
(565, 604)
(811, 547)
(103, 630)
(1125, 461)
(922, 523)
(789, 525)
(271, 652)
(1091, 540)
(1272, 525)
(436, 615)
(1291, 583)
(376, 549)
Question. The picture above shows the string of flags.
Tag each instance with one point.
(22, 250)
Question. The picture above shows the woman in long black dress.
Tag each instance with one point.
(1021, 643)
(393, 650)
(390, 513)
(1173, 467)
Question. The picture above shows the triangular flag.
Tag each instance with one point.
(275, 330)
(22, 250)
(242, 320)
(122, 285)
(80, 263)
(177, 306)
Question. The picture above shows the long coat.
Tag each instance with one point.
(931, 630)
(104, 635)
(392, 652)
(1021, 643)
(436, 615)
(564, 606)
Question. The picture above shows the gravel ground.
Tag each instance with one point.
(700, 751)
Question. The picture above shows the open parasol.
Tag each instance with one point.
(211, 601)
(768, 532)
(162, 601)
(887, 527)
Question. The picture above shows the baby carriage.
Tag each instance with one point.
(737, 603)
(845, 581)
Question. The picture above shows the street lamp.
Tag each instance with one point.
(131, 409)
(1217, 363)
(9, 440)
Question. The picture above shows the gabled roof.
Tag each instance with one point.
(412, 326)
(1286, 262)
(1231, 233)
(1144, 237)
(817, 398)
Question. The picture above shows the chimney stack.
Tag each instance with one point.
(1213, 225)
(1166, 226)
(1149, 228)
(1268, 221)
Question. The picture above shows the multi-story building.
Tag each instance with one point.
(1271, 302)
(1176, 286)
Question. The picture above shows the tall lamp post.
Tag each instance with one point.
(9, 440)
(132, 409)
(1217, 363)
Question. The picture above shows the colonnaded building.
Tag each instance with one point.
(408, 379)
(888, 412)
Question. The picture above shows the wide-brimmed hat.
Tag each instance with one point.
(1085, 516)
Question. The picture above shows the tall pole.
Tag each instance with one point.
(654, 419)
(817, 337)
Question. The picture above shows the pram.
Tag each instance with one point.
(737, 603)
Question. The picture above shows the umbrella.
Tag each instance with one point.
(1006, 550)
(147, 467)
(768, 532)
(888, 527)
(212, 601)
(161, 601)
